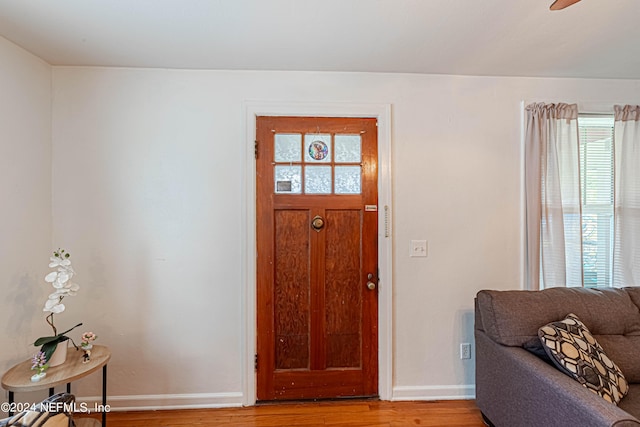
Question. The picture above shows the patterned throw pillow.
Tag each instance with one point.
(575, 352)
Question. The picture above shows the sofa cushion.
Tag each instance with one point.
(625, 351)
(40, 419)
(634, 293)
(513, 317)
(576, 352)
(631, 403)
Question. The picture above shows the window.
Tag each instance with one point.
(582, 189)
(324, 164)
(596, 182)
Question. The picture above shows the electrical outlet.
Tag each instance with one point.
(465, 350)
(418, 248)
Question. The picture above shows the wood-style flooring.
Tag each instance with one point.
(349, 413)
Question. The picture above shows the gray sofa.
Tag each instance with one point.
(517, 388)
(55, 411)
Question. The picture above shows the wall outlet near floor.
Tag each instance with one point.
(465, 350)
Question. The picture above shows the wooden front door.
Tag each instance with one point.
(317, 300)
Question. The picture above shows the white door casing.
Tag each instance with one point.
(382, 112)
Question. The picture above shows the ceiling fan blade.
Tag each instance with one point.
(561, 4)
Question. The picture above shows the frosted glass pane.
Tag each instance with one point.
(288, 179)
(288, 147)
(317, 148)
(348, 149)
(348, 180)
(317, 179)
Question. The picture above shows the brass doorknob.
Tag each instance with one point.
(317, 223)
(371, 285)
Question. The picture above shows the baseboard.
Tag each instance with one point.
(444, 392)
(151, 402)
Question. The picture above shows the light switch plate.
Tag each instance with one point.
(418, 248)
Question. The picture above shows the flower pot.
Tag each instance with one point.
(59, 355)
(37, 377)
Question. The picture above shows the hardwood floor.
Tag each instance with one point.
(350, 413)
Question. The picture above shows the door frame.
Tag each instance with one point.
(382, 112)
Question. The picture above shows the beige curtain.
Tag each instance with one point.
(552, 185)
(626, 247)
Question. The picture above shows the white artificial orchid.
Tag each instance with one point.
(63, 287)
(71, 289)
(57, 261)
(61, 282)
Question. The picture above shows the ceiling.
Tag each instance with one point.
(593, 38)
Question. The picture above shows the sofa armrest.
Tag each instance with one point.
(516, 388)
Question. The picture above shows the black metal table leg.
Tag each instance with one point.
(20, 380)
(104, 396)
(10, 403)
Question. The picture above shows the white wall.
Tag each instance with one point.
(148, 184)
(148, 191)
(25, 194)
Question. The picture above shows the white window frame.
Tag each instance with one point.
(599, 210)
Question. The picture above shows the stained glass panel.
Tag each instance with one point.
(317, 148)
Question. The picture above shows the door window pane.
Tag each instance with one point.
(317, 179)
(288, 179)
(317, 148)
(288, 147)
(348, 179)
(348, 149)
